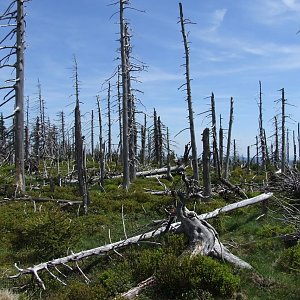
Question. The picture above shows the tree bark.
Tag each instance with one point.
(125, 98)
(206, 163)
(189, 97)
(19, 108)
(226, 173)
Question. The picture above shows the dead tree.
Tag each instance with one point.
(282, 100)
(202, 237)
(92, 134)
(221, 144)
(125, 97)
(226, 171)
(12, 57)
(294, 151)
(276, 150)
(206, 163)
(261, 132)
(216, 159)
(143, 140)
(101, 147)
(79, 150)
(183, 22)
(27, 136)
(109, 138)
(120, 116)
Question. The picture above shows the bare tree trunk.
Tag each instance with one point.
(206, 163)
(27, 140)
(295, 151)
(261, 132)
(143, 140)
(221, 145)
(283, 138)
(214, 134)
(125, 97)
(169, 175)
(287, 147)
(120, 117)
(79, 151)
(189, 97)
(108, 124)
(276, 152)
(226, 174)
(19, 90)
(248, 159)
(92, 134)
(101, 154)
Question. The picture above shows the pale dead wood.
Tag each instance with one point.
(218, 250)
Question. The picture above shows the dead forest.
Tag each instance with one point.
(120, 214)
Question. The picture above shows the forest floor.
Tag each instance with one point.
(34, 232)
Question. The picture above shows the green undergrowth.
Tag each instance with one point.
(33, 233)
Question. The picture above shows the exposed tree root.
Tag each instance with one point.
(203, 240)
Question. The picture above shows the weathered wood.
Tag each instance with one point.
(134, 292)
(189, 95)
(206, 163)
(102, 250)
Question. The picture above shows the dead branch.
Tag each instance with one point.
(217, 249)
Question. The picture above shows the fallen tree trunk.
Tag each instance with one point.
(236, 189)
(102, 250)
(155, 172)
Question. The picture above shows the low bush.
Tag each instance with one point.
(176, 276)
(290, 259)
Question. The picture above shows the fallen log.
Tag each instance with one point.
(102, 250)
(153, 172)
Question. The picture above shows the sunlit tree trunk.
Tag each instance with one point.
(189, 97)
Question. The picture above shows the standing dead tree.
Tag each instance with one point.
(261, 132)
(282, 100)
(79, 150)
(226, 172)
(206, 163)
(187, 84)
(101, 146)
(125, 97)
(12, 57)
(216, 158)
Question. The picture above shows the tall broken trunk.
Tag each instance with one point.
(189, 96)
(283, 145)
(226, 172)
(108, 124)
(101, 147)
(261, 132)
(125, 98)
(214, 134)
(19, 107)
(143, 140)
(79, 151)
(221, 144)
(206, 163)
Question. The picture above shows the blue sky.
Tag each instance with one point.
(234, 44)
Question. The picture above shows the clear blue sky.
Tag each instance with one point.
(234, 44)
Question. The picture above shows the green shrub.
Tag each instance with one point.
(177, 276)
(78, 290)
(144, 263)
(45, 236)
(116, 279)
(290, 259)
